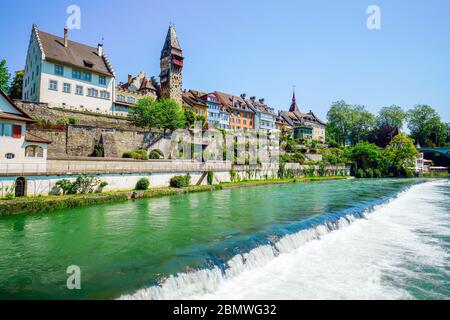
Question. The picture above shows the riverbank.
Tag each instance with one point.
(52, 203)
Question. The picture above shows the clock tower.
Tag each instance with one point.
(171, 67)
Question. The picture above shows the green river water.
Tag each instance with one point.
(130, 249)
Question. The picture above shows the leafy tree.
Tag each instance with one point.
(5, 76)
(190, 117)
(350, 123)
(142, 184)
(143, 115)
(426, 126)
(169, 115)
(339, 121)
(392, 116)
(15, 92)
(366, 155)
(401, 155)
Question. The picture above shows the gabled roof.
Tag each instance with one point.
(29, 137)
(232, 102)
(19, 116)
(76, 54)
(193, 98)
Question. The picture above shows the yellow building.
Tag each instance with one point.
(196, 101)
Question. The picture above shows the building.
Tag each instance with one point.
(195, 101)
(241, 116)
(282, 125)
(218, 116)
(265, 116)
(127, 94)
(171, 77)
(20, 150)
(305, 125)
(67, 74)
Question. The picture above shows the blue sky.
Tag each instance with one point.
(263, 48)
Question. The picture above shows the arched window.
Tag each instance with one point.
(34, 152)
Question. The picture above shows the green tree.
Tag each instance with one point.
(392, 116)
(362, 124)
(401, 155)
(339, 121)
(5, 76)
(15, 92)
(190, 117)
(169, 115)
(366, 155)
(144, 114)
(426, 126)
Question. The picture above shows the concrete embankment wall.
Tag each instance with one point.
(45, 184)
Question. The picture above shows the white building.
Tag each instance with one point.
(20, 151)
(68, 74)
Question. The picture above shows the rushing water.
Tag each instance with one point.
(362, 239)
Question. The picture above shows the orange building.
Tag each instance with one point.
(241, 117)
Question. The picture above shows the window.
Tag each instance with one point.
(53, 85)
(92, 92)
(59, 70)
(121, 98)
(76, 74)
(131, 100)
(86, 76)
(34, 152)
(102, 80)
(10, 156)
(17, 131)
(66, 87)
(104, 94)
(79, 90)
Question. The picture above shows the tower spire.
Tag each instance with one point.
(294, 107)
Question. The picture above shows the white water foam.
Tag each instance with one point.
(363, 259)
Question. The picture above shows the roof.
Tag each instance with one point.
(76, 54)
(297, 118)
(29, 137)
(294, 107)
(140, 82)
(12, 116)
(171, 45)
(192, 98)
(232, 102)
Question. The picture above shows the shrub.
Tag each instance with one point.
(85, 184)
(127, 155)
(210, 177)
(72, 120)
(377, 173)
(103, 184)
(66, 186)
(143, 184)
(99, 150)
(155, 155)
(138, 155)
(360, 173)
(180, 181)
(369, 173)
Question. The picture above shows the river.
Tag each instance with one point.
(352, 239)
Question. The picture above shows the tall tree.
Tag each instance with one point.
(169, 115)
(339, 121)
(5, 76)
(392, 116)
(363, 123)
(143, 115)
(426, 126)
(15, 92)
(401, 155)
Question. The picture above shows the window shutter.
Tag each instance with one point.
(17, 131)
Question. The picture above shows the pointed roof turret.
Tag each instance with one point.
(294, 107)
(171, 45)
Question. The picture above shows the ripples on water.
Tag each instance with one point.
(296, 241)
(398, 250)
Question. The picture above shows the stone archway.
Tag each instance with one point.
(21, 187)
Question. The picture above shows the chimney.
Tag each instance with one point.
(66, 37)
(261, 101)
(100, 50)
(243, 95)
(130, 77)
(253, 98)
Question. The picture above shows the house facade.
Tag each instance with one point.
(240, 115)
(218, 116)
(67, 74)
(20, 150)
(265, 116)
(305, 125)
(195, 101)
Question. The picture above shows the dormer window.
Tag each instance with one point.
(88, 64)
